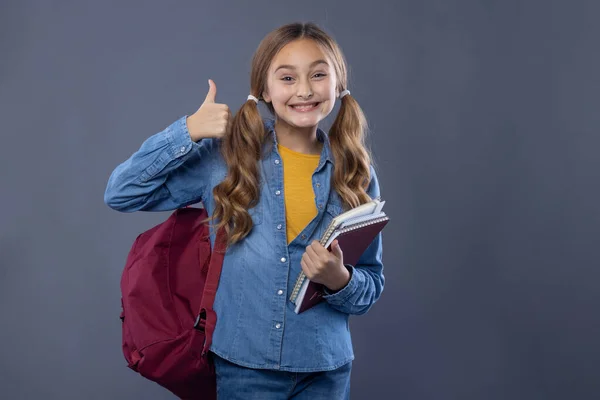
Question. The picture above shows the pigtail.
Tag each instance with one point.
(240, 190)
(347, 136)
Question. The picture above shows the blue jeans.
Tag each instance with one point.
(237, 382)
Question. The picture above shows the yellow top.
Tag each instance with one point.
(299, 197)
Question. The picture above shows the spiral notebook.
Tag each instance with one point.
(355, 230)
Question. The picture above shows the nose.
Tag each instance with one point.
(304, 89)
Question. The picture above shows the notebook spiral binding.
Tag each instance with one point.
(324, 240)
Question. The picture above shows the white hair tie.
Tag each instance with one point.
(250, 97)
(345, 92)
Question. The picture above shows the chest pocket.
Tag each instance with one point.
(331, 211)
(256, 213)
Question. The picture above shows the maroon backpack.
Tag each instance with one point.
(168, 287)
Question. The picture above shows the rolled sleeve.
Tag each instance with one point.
(168, 171)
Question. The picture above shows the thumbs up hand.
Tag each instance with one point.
(211, 120)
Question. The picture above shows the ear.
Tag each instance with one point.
(266, 97)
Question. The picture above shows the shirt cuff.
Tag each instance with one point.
(179, 138)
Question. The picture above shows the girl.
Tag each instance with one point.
(275, 185)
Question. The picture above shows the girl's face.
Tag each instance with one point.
(301, 84)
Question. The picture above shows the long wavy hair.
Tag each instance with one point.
(242, 146)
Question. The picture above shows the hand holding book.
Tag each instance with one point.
(325, 267)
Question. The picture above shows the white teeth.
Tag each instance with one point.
(304, 108)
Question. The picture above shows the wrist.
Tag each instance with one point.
(341, 281)
(192, 128)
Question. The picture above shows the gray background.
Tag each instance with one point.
(485, 131)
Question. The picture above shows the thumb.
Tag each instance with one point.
(336, 249)
(212, 92)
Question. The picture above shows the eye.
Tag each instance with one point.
(319, 73)
(285, 78)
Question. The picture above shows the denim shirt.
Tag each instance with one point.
(256, 323)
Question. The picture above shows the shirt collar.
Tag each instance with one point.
(322, 137)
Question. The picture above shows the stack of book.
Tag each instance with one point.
(355, 230)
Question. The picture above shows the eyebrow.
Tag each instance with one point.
(321, 61)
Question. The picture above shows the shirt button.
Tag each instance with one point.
(278, 192)
(318, 184)
(277, 326)
(320, 206)
(280, 292)
(303, 237)
(276, 161)
(283, 259)
(279, 226)
(182, 149)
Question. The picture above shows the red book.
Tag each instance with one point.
(354, 236)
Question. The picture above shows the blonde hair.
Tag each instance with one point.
(242, 146)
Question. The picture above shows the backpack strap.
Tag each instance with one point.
(207, 318)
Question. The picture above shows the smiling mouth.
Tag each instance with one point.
(307, 107)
